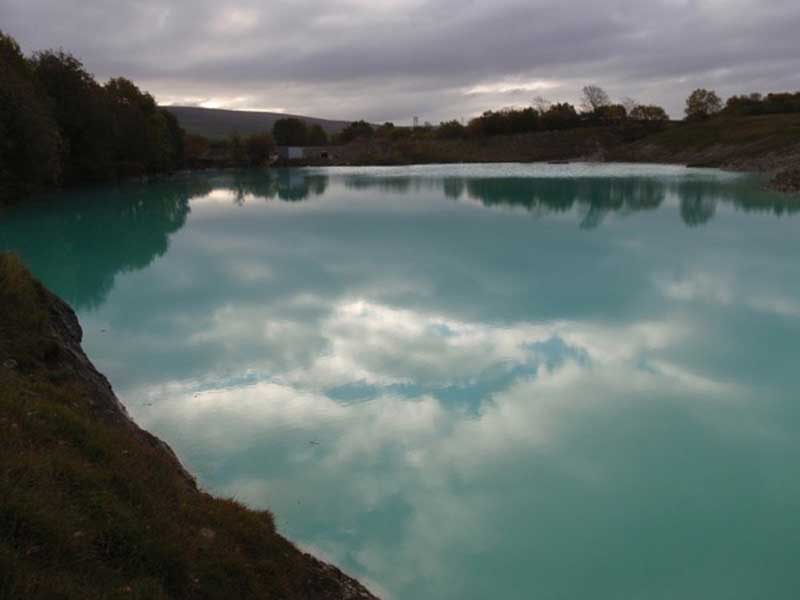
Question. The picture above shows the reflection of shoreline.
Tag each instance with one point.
(108, 230)
(596, 196)
(93, 235)
(113, 229)
(289, 185)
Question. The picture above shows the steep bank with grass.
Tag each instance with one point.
(92, 506)
(589, 142)
(767, 144)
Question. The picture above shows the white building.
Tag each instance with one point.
(290, 152)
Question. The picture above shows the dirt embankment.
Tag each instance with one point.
(92, 506)
(767, 144)
(589, 143)
(787, 180)
(781, 165)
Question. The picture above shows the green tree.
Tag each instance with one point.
(490, 123)
(236, 150)
(648, 112)
(175, 139)
(356, 130)
(30, 143)
(611, 113)
(561, 115)
(524, 120)
(195, 147)
(83, 114)
(134, 142)
(317, 136)
(387, 130)
(146, 138)
(756, 104)
(125, 91)
(290, 132)
(702, 104)
(594, 97)
(58, 124)
(449, 130)
(259, 146)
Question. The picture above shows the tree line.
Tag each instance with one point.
(58, 125)
(596, 108)
(703, 103)
(257, 148)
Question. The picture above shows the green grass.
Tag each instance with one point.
(92, 508)
(751, 135)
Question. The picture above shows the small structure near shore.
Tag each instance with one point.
(294, 154)
(291, 152)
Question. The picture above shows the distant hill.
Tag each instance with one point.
(215, 123)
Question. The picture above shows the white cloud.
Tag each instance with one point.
(512, 86)
(722, 289)
(392, 60)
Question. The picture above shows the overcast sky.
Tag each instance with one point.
(437, 59)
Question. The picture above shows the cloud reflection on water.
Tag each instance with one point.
(460, 385)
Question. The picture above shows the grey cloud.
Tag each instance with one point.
(393, 60)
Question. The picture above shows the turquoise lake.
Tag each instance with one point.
(466, 381)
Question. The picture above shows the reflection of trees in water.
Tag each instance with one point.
(454, 187)
(768, 202)
(697, 210)
(78, 242)
(699, 199)
(398, 185)
(594, 198)
(698, 202)
(290, 185)
(597, 196)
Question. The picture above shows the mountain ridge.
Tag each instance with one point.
(219, 123)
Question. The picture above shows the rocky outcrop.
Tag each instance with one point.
(67, 357)
(59, 414)
(787, 180)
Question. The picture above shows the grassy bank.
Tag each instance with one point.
(763, 143)
(91, 506)
(529, 147)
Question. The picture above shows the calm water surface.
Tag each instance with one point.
(464, 382)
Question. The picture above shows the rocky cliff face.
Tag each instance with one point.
(787, 180)
(66, 356)
(92, 506)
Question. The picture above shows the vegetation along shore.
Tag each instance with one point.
(62, 128)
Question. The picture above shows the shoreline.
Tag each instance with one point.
(49, 387)
(785, 181)
(782, 181)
